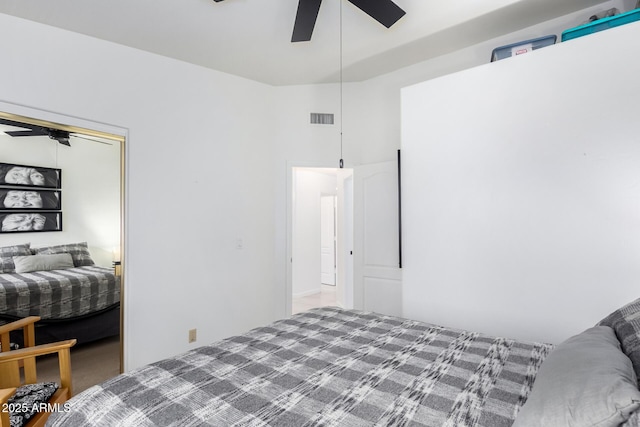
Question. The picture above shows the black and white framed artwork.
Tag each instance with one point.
(23, 199)
(30, 198)
(29, 176)
(21, 222)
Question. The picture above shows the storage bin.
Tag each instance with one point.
(519, 48)
(601, 24)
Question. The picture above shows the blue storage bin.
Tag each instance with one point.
(601, 24)
(525, 46)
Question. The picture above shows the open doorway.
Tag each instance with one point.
(321, 238)
(368, 270)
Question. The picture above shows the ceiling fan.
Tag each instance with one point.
(385, 12)
(62, 136)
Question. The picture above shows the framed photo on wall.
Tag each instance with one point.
(23, 199)
(21, 222)
(29, 176)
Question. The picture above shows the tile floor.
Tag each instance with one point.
(326, 296)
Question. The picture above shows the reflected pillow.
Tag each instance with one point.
(27, 264)
(585, 381)
(8, 252)
(79, 252)
(625, 321)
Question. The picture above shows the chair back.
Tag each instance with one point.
(18, 367)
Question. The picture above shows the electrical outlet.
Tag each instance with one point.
(192, 335)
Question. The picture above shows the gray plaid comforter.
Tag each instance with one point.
(324, 367)
(58, 294)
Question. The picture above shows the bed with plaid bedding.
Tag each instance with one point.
(58, 294)
(324, 367)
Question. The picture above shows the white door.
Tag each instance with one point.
(328, 240)
(377, 275)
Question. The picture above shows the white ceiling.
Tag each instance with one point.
(251, 38)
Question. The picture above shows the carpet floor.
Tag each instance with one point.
(91, 364)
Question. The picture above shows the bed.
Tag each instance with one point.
(331, 366)
(73, 297)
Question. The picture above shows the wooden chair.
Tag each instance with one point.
(28, 332)
(12, 362)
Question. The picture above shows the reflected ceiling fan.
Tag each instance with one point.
(62, 136)
(385, 12)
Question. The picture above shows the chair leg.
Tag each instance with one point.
(64, 361)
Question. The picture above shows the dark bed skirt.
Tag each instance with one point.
(85, 329)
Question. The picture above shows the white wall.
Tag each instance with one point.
(90, 191)
(375, 105)
(521, 208)
(309, 186)
(199, 176)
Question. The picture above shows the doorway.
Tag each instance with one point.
(90, 158)
(319, 244)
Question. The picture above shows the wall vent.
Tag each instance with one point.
(322, 118)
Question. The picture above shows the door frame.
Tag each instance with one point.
(118, 135)
(291, 165)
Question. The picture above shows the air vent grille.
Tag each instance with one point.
(322, 118)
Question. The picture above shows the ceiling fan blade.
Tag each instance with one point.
(32, 132)
(305, 20)
(385, 12)
(14, 124)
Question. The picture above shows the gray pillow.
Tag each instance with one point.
(585, 381)
(27, 264)
(79, 252)
(8, 252)
(625, 321)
